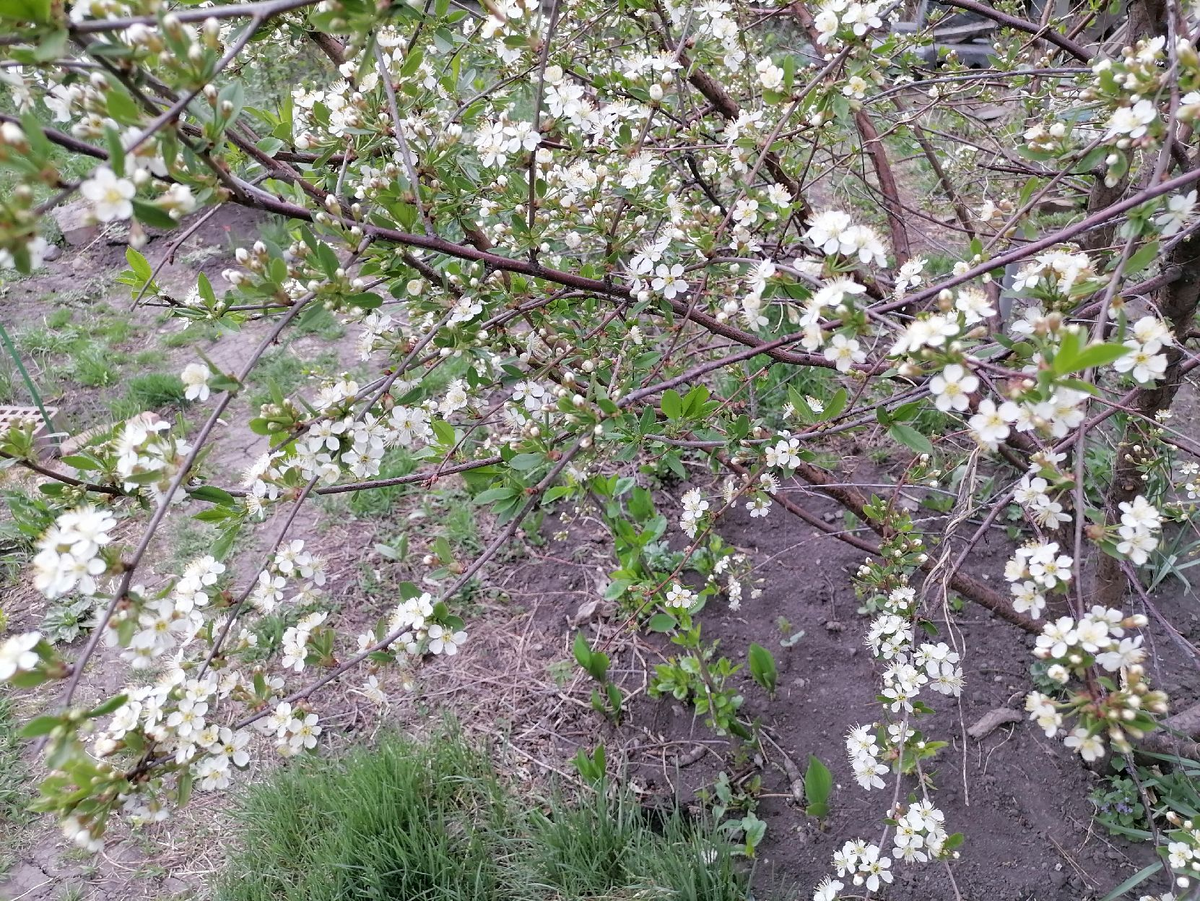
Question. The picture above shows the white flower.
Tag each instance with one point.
(875, 868)
(951, 388)
(769, 74)
(17, 654)
(989, 426)
(1137, 547)
(1028, 599)
(862, 242)
(1128, 652)
(844, 353)
(694, 504)
(1153, 332)
(1140, 514)
(109, 196)
(868, 772)
(443, 641)
(195, 378)
(1179, 208)
(1142, 363)
(669, 281)
(785, 453)
(827, 890)
(1132, 121)
(825, 230)
(826, 23)
(1089, 747)
(679, 597)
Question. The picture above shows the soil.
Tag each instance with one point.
(1021, 799)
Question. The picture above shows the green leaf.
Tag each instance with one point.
(503, 493)
(1093, 355)
(818, 783)
(122, 107)
(694, 403)
(205, 289)
(591, 766)
(213, 495)
(1142, 258)
(583, 653)
(800, 404)
(910, 438)
(149, 214)
(526, 462)
(661, 622)
(836, 405)
(43, 725)
(1133, 881)
(25, 10)
(762, 667)
(225, 540)
(52, 46)
(365, 301)
(672, 404)
(594, 662)
(185, 787)
(108, 706)
(139, 264)
(79, 462)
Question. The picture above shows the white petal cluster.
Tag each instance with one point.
(833, 232)
(1145, 362)
(18, 654)
(864, 863)
(68, 557)
(1140, 524)
(695, 507)
(847, 16)
(1041, 562)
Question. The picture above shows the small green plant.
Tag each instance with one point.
(733, 805)
(1118, 805)
(762, 667)
(701, 678)
(607, 698)
(818, 784)
(592, 766)
(66, 619)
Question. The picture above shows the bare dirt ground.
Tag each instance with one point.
(1020, 798)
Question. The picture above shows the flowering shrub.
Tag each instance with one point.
(576, 234)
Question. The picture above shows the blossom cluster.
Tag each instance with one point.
(69, 554)
(834, 233)
(695, 508)
(1183, 853)
(18, 654)
(847, 17)
(1138, 530)
(1070, 648)
(1035, 568)
(864, 863)
(412, 620)
(1144, 361)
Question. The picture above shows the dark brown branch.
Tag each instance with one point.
(1062, 42)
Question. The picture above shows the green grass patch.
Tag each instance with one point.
(411, 820)
(13, 781)
(285, 371)
(321, 322)
(154, 391)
